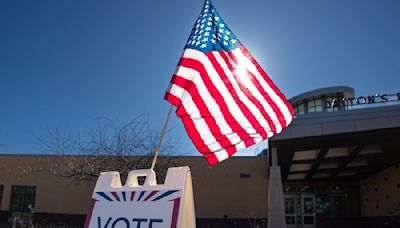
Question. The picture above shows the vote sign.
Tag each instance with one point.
(142, 206)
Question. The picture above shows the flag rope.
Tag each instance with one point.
(153, 164)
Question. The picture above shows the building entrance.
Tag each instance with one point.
(300, 210)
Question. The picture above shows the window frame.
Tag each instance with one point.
(20, 209)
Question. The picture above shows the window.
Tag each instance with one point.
(315, 105)
(22, 200)
(331, 199)
(323, 205)
(311, 106)
(318, 105)
(299, 109)
(1, 192)
(323, 201)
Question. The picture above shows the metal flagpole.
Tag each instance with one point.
(153, 164)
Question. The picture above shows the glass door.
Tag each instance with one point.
(308, 218)
(290, 211)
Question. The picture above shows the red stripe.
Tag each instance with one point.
(204, 112)
(194, 135)
(211, 158)
(253, 99)
(90, 213)
(175, 212)
(150, 195)
(222, 139)
(115, 196)
(132, 195)
(172, 99)
(243, 108)
(268, 80)
(191, 128)
(197, 140)
(267, 96)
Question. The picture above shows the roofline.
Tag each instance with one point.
(350, 121)
(348, 91)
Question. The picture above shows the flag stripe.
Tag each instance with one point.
(191, 129)
(212, 124)
(243, 92)
(270, 87)
(243, 108)
(269, 81)
(265, 103)
(247, 108)
(243, 83)
(220, 93)
(227, 115)
(229, 128)
(199, 123)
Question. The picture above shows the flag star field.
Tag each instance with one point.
(210, 33)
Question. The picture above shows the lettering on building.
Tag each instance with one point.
(362, 100)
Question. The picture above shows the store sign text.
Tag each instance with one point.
(377, 98)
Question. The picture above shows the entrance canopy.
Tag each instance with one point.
(347, 145)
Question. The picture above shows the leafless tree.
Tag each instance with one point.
(109, 147)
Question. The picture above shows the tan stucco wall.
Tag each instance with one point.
(380, 193)
(53, 194)
(218, 191)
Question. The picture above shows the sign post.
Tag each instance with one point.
(169, 205)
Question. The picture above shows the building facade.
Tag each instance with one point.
(230, 195)
(339, 159)
(336, 165)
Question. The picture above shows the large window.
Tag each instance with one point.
(315, 105)
(22, 200)
(332, 199)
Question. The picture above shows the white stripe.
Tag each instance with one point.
(212, 106)
(201, 126)
(219, 84)
(254, 110)
(241, 71)
(281, 105)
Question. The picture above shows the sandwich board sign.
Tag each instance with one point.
(169, 205)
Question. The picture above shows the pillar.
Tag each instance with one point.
(276, 206)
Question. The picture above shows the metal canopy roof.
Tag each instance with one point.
(351, 155)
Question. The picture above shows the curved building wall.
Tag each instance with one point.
(321, 100)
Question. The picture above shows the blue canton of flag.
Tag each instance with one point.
(210, 33)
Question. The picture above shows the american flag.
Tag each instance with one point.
(224, 98)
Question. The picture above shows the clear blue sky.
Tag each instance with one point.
(63, 63)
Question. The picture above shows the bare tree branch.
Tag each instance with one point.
(109, 147)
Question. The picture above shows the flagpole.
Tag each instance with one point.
(153, 164)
